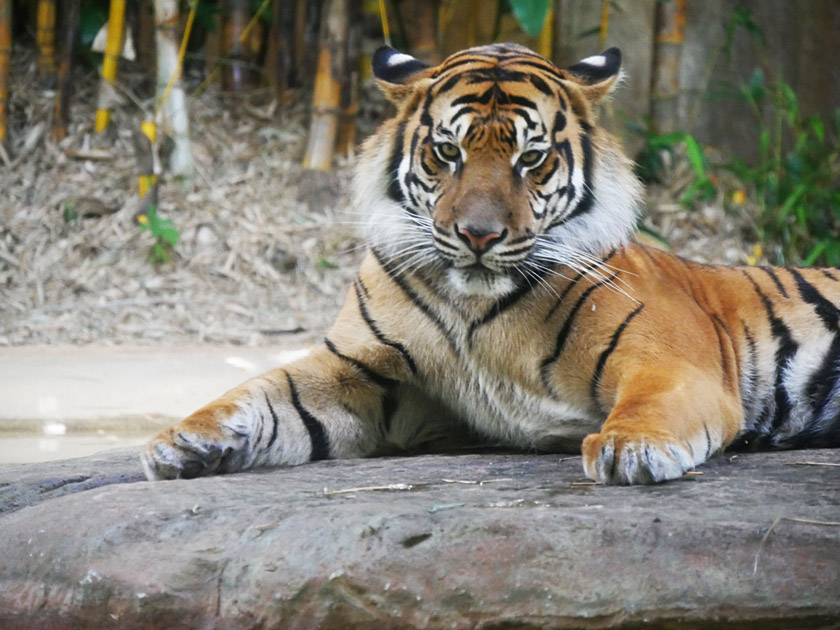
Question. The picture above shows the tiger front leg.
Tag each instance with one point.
(664, 423)
(317, 408)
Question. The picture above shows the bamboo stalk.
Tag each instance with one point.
(5, 62)
(65, 71)
(234, 76)
(284, 38)
(424, 32)
(545, 43)
(326, 98)
(350, 83)
(45, 36)
(670, 33)
(309, 55)
(113, 49)
(146, 36)
(172, 102)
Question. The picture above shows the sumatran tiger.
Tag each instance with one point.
(501, 290)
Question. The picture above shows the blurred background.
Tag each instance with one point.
(175, 172)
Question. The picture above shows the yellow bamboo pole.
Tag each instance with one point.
(5, 61)
(546, 40)
(45, 36)
(113, 49)
(605, 24)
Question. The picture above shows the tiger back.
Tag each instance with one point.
(501, 294)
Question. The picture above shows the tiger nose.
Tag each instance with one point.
(479, 239)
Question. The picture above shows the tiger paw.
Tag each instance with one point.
(620, 458)
(188, 450)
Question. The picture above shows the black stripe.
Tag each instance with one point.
(785, 350)
(828, 313)
(362, 296)
(563, 335)
(708, 441)
(769, 271)
(720, 329)
(588, 197)
(825, 380)
(462, 112)
(751, 375)
(829, 275)
(370, 374)
(574, 281)
(505, 303)
(550, 173)
(541, 85)
(602, 360)
(274, 419)
(392, 176)
(317, 433)
(415, 299)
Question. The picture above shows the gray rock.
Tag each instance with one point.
(491, 541)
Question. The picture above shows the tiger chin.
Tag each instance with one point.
(501, 293)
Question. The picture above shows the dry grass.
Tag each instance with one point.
(253, 262)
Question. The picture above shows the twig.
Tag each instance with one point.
(811, 464)
(389, 487)
(478, 483)
(585, 483)
(5, 157)
(792, 520)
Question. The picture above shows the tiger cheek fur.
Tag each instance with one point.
(500, 293)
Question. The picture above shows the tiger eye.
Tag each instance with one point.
(530, 158)
(449, 151)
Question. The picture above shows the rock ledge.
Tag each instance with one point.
(490, 541)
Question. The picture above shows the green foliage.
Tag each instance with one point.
(650, 165)
(164, 232)
(531, 14)
(796, 181)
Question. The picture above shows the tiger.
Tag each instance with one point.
(502, 299)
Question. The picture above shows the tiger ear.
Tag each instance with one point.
(397, 73)
(597, 75)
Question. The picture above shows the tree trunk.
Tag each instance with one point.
(113, 50)
(5, 62)
(172, 101)
(45, 36)
(670, 30)
(61, 115)
(326, 98)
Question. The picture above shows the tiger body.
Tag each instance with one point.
(501, 293)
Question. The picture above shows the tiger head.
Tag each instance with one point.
(494, 169)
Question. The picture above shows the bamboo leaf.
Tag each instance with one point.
(531, 15)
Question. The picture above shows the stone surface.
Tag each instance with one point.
(485, 541)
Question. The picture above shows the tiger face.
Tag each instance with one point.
(494, 169)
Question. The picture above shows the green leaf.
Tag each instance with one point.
(815, 253)
(695, 156)
(817, 127)
(531, 14)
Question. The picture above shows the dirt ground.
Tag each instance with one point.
(265, 251)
